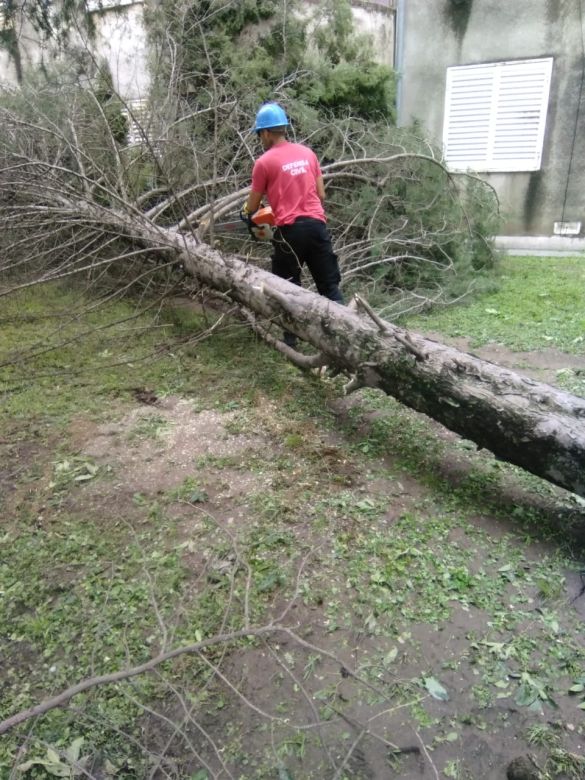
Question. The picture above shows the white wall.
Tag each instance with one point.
(7, 73)
(31, 53)
(121, 40)
(380, 25)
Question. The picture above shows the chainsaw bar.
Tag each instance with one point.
(261, 225)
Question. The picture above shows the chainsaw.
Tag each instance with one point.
(260, 225)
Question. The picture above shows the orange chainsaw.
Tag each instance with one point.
(260, 225)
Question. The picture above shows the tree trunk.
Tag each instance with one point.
(527, 423)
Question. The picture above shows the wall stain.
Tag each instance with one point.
(457, 13)
(533, 199)
(554, 10)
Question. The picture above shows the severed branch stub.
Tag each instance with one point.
(365, 376)
(391, 330)
(296, 357)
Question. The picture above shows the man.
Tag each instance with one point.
(290, 176)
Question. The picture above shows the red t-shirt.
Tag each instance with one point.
(287, 175)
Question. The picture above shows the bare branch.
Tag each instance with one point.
(126, 674)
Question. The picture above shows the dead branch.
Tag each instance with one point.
(295, 357)
(126, 674)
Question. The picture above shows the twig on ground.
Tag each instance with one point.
(427, 755)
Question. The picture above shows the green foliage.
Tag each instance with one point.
(251, 49)
(111, 105)
(433, 230)
(347, 79)
(363, 91)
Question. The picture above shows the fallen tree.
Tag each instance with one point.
(70, 208)
(530, 424)
(527, 423)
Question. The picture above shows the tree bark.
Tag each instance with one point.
(527, 423)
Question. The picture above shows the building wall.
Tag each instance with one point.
(7, 71)
(121, 40)
(377, 20)
(436, 34)
(31, 53)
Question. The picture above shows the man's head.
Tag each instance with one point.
(271, 135)
(271, 124)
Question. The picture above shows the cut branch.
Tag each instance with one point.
(126, 674)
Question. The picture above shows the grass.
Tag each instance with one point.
(356, 512)
(539, 305)
(61, 354)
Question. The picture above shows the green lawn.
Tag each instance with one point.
(540, 304)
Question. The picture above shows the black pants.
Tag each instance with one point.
(307, 241)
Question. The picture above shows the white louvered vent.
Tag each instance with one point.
(495, 115)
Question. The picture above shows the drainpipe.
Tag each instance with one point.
(400, 20)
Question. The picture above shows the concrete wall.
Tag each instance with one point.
(7, 71)
(436, 34)
(377, 21)
(121, 40)
(31, 53)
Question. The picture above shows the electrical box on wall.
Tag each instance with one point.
(567, 228)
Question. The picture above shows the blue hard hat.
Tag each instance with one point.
(270, 115)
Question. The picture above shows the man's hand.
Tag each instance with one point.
(245, 214)
(251, 206)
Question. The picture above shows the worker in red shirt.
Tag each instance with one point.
(290, 176)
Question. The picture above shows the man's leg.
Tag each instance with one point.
(286, 265)
(323, 263)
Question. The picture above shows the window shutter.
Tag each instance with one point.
(495, 115)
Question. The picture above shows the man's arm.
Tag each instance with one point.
(253, 202)
(320, 188)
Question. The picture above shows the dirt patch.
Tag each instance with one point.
(153, 449)
(296, 710)
(321, 720)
